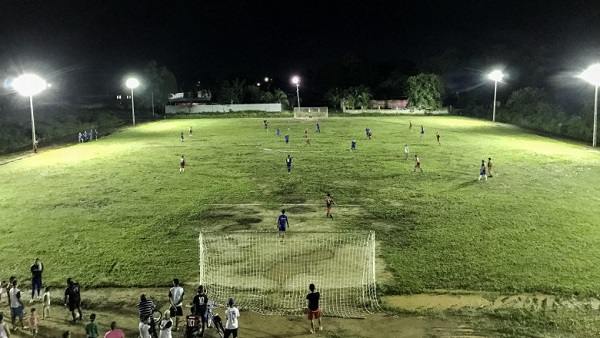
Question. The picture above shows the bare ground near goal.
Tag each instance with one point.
(119, 305)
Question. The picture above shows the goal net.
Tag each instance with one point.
(271, 276)
(310, 112)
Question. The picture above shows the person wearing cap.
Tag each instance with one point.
(232, 314)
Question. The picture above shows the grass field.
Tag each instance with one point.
(116, 212)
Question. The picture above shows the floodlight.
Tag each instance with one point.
(592, 75)
(132, 83)
(295, 80)
(29, 84)
(496, 76)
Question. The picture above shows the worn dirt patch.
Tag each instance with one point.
(119, 305)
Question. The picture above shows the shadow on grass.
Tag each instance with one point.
(465, 184)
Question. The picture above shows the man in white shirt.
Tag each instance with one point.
(176, 299)
(145, 328)
(16, 305)
(232, 314)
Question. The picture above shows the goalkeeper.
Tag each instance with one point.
(282, 223)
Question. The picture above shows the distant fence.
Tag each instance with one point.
(223, 108)
(397, 111)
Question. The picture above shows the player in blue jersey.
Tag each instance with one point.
(353, 145)
(266, 124)
(288, 163)
(287, 138)
(278, 132)
(282, 224)
(181, 136)
(422, 130)
(329, 202)
(318, 127)
(482, 172)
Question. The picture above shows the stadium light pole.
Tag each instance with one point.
(132, 83)
(29, 85)
(268, 81)
(495, 76)
(592, 76)
(296, 81)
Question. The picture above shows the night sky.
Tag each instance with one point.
(208, 40)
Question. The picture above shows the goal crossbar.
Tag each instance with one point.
(269, 275)
(311, 112)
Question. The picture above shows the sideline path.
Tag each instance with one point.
(14, 159)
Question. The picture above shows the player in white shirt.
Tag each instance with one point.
(176, 299)
(145, 328)
(406, 151)
(232, 314)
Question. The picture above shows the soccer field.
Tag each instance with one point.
(117, 212)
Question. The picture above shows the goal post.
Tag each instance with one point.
(311, 112)
(271, 276)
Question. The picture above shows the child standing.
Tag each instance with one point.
(46, 300)
(91, 330)
(33, 323)
(482, 171)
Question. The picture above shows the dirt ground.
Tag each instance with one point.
(119, 305)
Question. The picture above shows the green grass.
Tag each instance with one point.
(117, 212)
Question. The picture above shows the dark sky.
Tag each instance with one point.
(200, 40)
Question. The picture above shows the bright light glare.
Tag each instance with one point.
(266, 79)
(29, 84)
(132, 83)
(295, 80)
(496, 76)
(592, 75)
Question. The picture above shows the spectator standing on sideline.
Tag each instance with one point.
(4, 332)
(91, 329)
(16, 305)
(231, 314)
(8, 287)
(114, 332)
(79, 138)
(165, 326)
(36, 278)
(145, 307)
(200, 301)
(313, 307)
(33, 322)
(46, 300)
(145, 328)
(73, 296)
(96, 134)
(176, 299)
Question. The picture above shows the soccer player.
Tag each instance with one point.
(278, 132)
(329, 202)
(305, 132)
(266, 124)
(36, 278)
(181, 136)
(282, 223)
(482, 171)
(200, 300)
(417, 164)
(191, 131)
(288, 163)
(437, 136)
(308, 141)
(353, 145)
(368, 132)
(231, 314)
(406, 151)
(489, 167)
(181, 164)
(422, 130)
(318, 127)
(313, 307)
(410, 126)
(176, 299)
(287, 138)
(73, 296)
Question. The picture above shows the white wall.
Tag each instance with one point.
(225, 108)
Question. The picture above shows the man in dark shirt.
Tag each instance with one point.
(36, 278)
(313, 308)
(200, 302)
(72, 294)
(145, 307)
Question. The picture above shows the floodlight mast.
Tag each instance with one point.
(296, 81)
(495, 76)
(132, 83)
(29, 85)
(592, 76)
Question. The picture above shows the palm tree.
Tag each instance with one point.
(363, 98)
(281, 97)
(335, 97)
